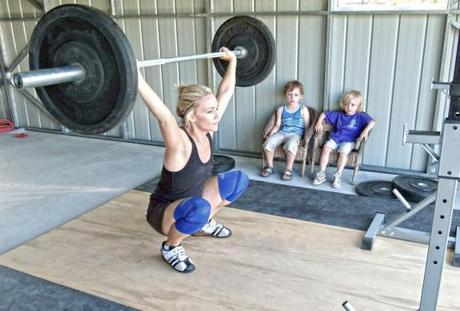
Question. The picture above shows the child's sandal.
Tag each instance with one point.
(267, 171)
(287, 175)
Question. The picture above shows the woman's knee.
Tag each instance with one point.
(232, 184)
(192, 214)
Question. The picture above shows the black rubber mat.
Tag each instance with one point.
(149, 186)
(331, 208)
(326, 207)
(21, 291)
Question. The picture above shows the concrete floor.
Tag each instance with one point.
(49, 179)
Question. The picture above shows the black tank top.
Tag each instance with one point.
(187, 182)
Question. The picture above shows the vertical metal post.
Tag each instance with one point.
(124, 127)
(210, 30)
(327, 67)
(448, 174)
(3, 71)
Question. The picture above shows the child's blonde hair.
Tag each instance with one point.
(349, 95)
(188, 96)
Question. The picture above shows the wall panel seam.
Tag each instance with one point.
(395, 57)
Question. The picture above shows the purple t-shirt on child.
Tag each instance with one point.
(347, 128)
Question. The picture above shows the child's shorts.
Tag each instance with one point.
(290, 140)
(345, 147)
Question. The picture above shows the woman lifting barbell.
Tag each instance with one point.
(187, 196)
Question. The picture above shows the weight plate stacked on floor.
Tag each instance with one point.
(222, 164)
(76, 34)
(253, 35)
(415, 188)
(376, 188)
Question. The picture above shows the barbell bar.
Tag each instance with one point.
(239, 51)
(84, 70)
(76, 72)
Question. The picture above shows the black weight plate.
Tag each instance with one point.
(72, 34)
(222, 164)
(375, 188)
(415, 188)
(256, 38)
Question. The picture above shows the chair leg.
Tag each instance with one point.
(263, 160)
(302, 170)
(355, 174)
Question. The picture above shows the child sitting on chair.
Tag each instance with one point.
(350, 126)
(291, 121)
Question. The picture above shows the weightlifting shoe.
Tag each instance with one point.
(176, 257)
(213, 229)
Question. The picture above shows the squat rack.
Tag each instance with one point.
(448, 177)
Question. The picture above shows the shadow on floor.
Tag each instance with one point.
(20, 291)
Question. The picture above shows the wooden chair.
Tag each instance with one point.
(302, 151)
(354, 158)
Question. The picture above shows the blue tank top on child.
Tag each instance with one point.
(347, 128)
(292, 122)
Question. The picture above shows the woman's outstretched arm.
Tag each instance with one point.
(227, 85)
(168, 125)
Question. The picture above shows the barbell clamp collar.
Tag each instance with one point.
(240, 52)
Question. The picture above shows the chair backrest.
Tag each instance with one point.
(269, 125)
(313, 113)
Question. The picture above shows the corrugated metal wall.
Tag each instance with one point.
(390, 58)
(301, 50)
(14, 35)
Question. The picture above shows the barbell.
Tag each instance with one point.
(76, 72)
(85, 73)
